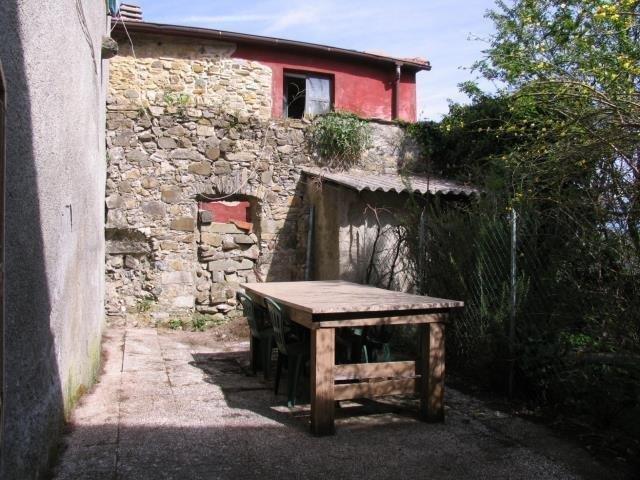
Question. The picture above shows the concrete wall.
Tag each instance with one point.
(55, 174)
(356, 236)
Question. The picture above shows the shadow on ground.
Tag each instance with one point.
(224, 370)
(173, 406)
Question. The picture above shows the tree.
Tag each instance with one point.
(572, 71)
(560, 143)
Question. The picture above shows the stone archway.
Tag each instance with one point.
(228, 251)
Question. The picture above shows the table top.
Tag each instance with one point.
(336, 296)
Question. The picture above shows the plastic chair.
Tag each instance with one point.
(364, 345)
(261, 335)
(291, 347)
(351, 346)
(377, 339)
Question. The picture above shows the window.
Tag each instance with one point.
(306, 95)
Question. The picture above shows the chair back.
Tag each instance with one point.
(277, 318)
(249, 310)
(379, 333)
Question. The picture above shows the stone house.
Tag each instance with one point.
(202, 122)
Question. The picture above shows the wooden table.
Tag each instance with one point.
(323, 306)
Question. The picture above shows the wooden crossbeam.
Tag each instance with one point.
(325, 321)
(361, 371)
(381, 388)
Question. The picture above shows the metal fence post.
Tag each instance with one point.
(513, 299)
(422, 249)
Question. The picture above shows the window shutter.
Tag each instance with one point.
(318, 96)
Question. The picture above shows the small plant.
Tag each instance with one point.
(340, 138)
(144, 304)
(199, 322)
(175, 100)
(214, 322)
(176, 324)
(143, 111)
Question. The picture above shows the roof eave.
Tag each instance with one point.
(221, 35)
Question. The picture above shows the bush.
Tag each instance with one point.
(340, 139)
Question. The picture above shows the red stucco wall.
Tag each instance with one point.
(361, 88)
(408, 97)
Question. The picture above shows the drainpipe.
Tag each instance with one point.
(309, 262)
(113, 8)
(396, 92)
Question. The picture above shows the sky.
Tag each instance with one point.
(451, 34)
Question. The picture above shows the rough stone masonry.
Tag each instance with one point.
(187, 123)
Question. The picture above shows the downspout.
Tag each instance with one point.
(309, 262)
(113, 7)
(396, 92)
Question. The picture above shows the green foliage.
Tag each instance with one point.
(143, 111)
(176, 324)
(177, 100)
(572, 75)
(466, 142)
(144, 304)
(340, 138)
(559, 143)
(199, 322)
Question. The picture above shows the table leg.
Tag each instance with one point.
(322, 380)
(432, 372)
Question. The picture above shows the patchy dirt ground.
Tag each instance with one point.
(235, 330)
(182, 405)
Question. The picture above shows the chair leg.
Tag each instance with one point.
(278, 373)
(365, 354)
(267, 357)
(255, 353)
(386, 353)
(296, 376)
(290, 371)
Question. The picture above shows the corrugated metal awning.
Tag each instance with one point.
(360, 180)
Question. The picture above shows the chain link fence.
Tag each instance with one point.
(552, 301)
(551, 304)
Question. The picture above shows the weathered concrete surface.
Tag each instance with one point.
(355, 229)
(175, 405)
(54, 256)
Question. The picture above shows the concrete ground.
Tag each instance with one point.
(175, 405)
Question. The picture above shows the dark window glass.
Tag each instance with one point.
(306, 95)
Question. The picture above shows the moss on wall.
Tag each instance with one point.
(78, 383)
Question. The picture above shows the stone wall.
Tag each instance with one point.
(152, 208)
(182, 74)
(165, 261)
